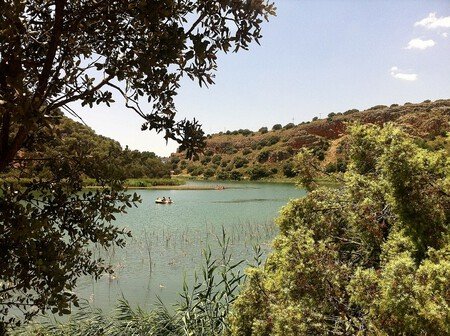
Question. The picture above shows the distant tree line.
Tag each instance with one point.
(101, 157)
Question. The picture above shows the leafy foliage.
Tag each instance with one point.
(277, 127)
(100, 156)
(46, 232)
(58, 52)
(370, 257)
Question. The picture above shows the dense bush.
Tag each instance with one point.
(263, 156)
(339, 166)
(272, 140)
(351, 111)
(258, 172)
(279, 156)
(236, 175)
(205, 160)
(276, 127)
(222, 175)
(216, 159)
(289, 169)
(209, 152)
(289, 126)
(263, 130)
(230, 150)
(368, 258)
(209, 172)
(107, 158)
(245, 132)
(196, 171)
(239, 161)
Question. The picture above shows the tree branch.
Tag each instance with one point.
(81, 95)
(51, 52)
(200, 18)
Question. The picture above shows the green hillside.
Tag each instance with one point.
(99, 157)
(269, 152)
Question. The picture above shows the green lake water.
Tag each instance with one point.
(168, 239)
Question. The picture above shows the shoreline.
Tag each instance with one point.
(162, 187)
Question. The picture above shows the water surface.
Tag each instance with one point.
(168, 239)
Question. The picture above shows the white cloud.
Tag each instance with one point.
(418, 43)
(403, 76)
(433, 22)
(444, 35)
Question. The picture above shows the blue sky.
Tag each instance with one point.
(315, 57)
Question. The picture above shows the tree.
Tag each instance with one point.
(258, 172)
(60, 52)
(263, 130)
(289, 169)
(276, 127)
(240, 161)
(289, 126)
(369, 257)
(263, 156)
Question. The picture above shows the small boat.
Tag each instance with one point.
(163, 201)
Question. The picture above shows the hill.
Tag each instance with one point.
(269, 153)
(99, 157)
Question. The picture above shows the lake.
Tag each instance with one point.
(168, 238)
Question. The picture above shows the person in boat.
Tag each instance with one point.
(164, 199)
(169, 200)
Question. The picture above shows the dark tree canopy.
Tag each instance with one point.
(57, 52)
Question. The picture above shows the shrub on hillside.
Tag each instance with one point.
(230, 150)
(245, 132)
(258, 172)
(236, 175)
(351, 111)
(209, 173)
(205, 160)
(246, 151)
(216, 159)
(289, 169)
(276, 127)
(289, 126)
(263, 156)
(222, 175)
(272, 140)
(239, 161)
(197, 171)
